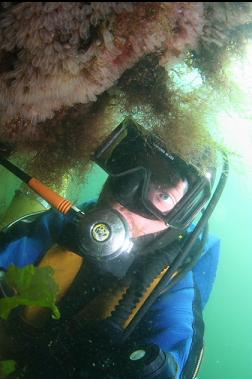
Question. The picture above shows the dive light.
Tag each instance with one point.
(148, 361)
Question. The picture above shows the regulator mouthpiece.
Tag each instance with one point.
(103, 235)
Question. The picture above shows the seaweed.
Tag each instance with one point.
(7, 367)
(32, 286)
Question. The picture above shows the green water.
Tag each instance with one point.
(228, 315)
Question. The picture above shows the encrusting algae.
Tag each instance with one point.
(69, 71)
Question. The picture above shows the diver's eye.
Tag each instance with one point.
(164, 196)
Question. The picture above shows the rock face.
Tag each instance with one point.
(60, 54)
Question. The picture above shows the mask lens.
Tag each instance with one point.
(123, 151)
(165, 197)
(190, 205)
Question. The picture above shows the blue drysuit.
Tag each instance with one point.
(173, 322)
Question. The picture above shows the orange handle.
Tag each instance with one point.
(50, 196)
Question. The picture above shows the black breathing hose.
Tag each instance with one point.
(167, 282)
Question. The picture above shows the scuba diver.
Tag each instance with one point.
(135, 268)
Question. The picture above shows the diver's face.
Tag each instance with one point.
(164, 199)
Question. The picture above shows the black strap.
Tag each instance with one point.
(195, 354)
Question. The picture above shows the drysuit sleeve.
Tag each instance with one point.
(175, 321)
(25, 244)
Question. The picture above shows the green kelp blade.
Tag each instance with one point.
(34, 286)
(7, 367)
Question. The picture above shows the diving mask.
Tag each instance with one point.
(140, 166)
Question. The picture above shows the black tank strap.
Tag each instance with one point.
(192, 365)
